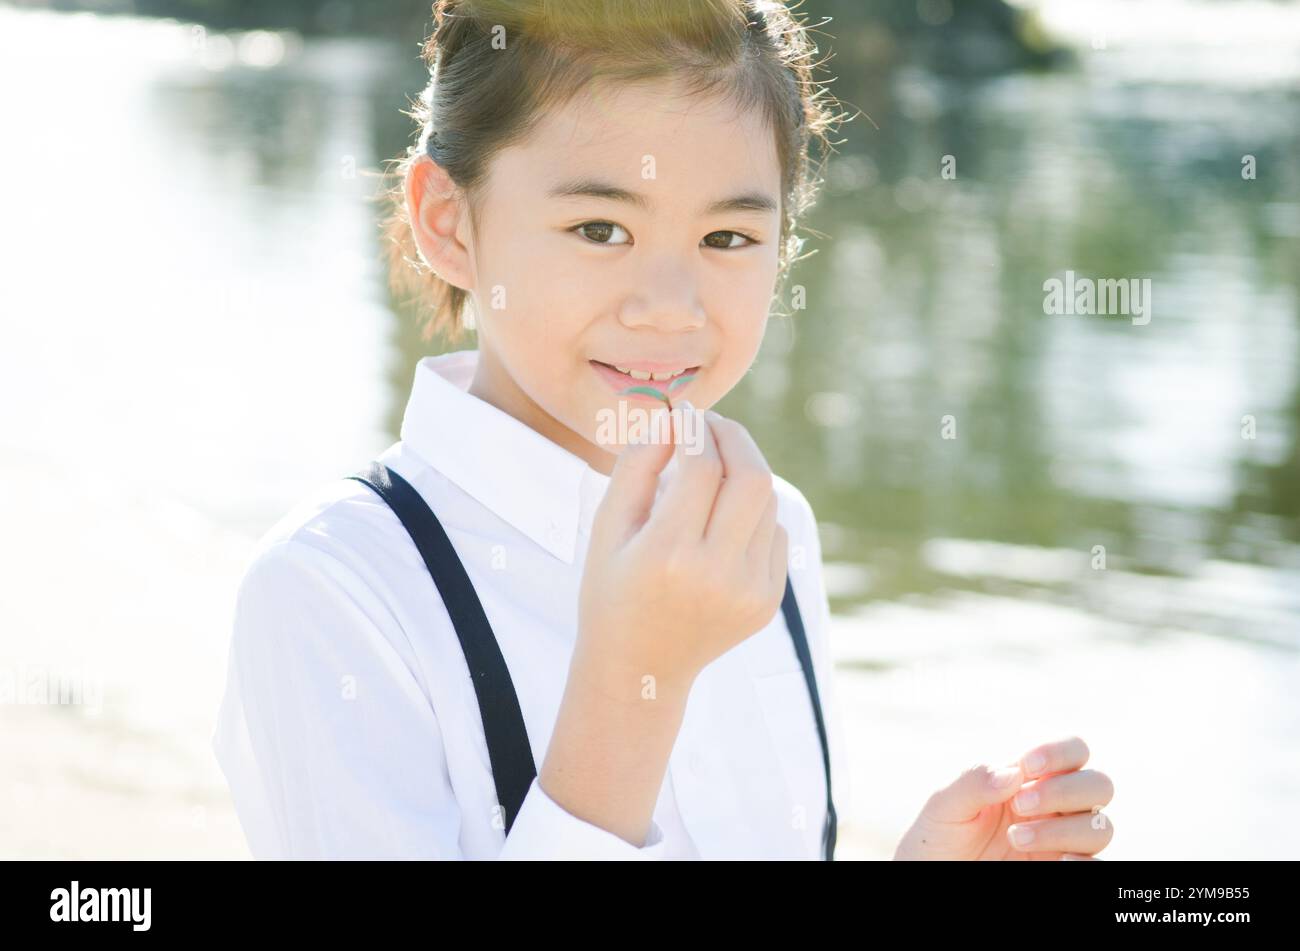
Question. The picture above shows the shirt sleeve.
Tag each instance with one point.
(328, 739)
(544, 829)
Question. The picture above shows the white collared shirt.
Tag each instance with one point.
(350, 727)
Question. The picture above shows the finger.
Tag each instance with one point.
(1056, 757)
(1081, 832)
(1076, 791)
(683, 510)
(695, 473)
(630, 494)
(746, 486)
(1074, 856)
(780, 561)
(977, 787)
(760, 545)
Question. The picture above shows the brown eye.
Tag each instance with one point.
(726, 245)
(599, 232)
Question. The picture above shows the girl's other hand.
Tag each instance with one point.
(1047, 793)
(673, 582)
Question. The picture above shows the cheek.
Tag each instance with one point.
(545, 350)
(544, 358)
(741, 339)
(534, 315)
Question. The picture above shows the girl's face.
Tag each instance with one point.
(634, 228)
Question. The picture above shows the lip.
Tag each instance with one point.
(618, 382)
(651, 366)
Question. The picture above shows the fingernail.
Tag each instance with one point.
(1003, 778)
(1026, 801)
(1035, 763)
(1022, 835)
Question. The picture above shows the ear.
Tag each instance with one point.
(439, 219)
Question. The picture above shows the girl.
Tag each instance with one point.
(532, 628)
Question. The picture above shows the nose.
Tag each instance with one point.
(667, 299)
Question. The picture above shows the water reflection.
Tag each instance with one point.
(1072, 431)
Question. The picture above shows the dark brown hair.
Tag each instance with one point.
(483, 96)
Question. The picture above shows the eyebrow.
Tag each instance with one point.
(595, 188)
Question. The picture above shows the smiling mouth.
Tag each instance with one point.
(645, 376)
(642, 385)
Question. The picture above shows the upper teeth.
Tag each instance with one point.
(647, 375)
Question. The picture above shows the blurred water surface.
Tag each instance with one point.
(196, 331)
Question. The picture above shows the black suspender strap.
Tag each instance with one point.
(794, 621)
(509, 752)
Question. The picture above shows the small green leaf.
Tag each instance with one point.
(646, 390)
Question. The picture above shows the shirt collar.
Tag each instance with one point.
(537, 486)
